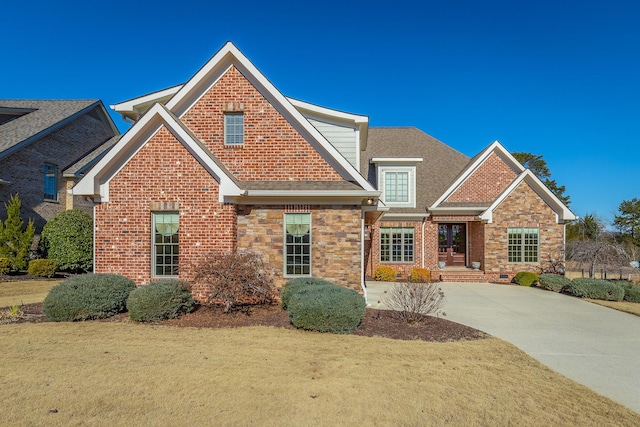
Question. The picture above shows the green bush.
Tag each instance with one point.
(595, 289)
(5, 265)
(92, 296)
(326, 309)
(68, 239)
(526, 278)
(295, 285)
(384, 273)
(14, 241)
(42, 268)
(160, 300)
(631, 291)
(553, 282)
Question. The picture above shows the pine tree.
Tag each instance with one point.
(14, 241)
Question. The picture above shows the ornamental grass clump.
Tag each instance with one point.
(595, 289)
(526, 278)
(411, 302)
(91, 296)
(162, 300)
(326, 309)
(553, 282)
(293, 286)
(420, 275)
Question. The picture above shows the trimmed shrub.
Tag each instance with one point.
(526, 278)
(420, 275)
(295, 285)
(5, 265)
(42, 268)
(159, 301)
(14, 241)
(68, 239)
(553, 282)
(411, 302)
(235, 279)
(631, 291)
(92, 296)
(384, 273)
(326, 309)
(595, 289)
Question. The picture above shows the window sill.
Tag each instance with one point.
(57, 202)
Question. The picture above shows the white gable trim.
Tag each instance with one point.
(230, 55)
(96, 182)
(563, 214)
(495, 147)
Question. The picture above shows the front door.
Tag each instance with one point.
(452, 244)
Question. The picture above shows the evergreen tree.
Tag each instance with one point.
(539, 167)
(628, 221)
(14, 241)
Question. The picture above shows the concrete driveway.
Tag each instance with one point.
(593, 345)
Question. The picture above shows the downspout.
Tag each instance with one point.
(363, 285)
(93, 267)
(424, 221)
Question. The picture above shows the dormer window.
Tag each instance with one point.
(397, 181)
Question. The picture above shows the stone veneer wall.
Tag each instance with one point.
(486, 183)
(335, 240)
(162, 176)
(522, 208)
(24, 168)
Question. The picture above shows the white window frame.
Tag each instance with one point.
(286, 245)
(231, 136)
(403, 245)
(411, 184)
(522, 252)
(46, 169)
(155, 246)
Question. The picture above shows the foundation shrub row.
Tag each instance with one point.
(591, 288)
(157, 301)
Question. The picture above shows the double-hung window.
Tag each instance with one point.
(234, 128)
(396, 187)
(50, 181)
(396, 244)
(165, 244)
(523, 244)
(397, 180)
(297, 232)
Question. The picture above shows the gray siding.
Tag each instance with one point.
(343, 138)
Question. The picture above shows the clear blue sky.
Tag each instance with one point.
(551, 77)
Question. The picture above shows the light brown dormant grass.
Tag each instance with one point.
(626, 306)
(79, 374)
(24, 292)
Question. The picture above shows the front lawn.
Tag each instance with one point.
(109, 373)
(19, 292)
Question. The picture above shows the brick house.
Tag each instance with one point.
(225, 162)
(45, 147)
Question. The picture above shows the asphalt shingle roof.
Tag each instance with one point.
(440, 166)
(43, 117)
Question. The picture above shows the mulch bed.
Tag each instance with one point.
(380, 323)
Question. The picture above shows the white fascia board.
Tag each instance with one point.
(396, 160)
(312, 193)
(95, 182)
(461, 210)
(328, 112)
(130, 105)
(494, 147)
(230, 55)
(396, 216)
(563, 214)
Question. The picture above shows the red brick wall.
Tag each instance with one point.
(486, 183)
(522, 208)
(162, 171)
(273, 149)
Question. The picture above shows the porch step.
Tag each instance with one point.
(463, 276)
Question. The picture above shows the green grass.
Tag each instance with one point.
(105, 374)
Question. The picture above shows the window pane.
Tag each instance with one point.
(50, 182)
(166, 238)
(396, 186)
(396, 244)
(298, 244)
(233, 129)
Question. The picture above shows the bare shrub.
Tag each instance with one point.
(235, 279)
(410, 302)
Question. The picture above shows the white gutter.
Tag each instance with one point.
(423, 224)
(311, 193)
(363, 285)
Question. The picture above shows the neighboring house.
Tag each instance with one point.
(43, 152)
(225, 162)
